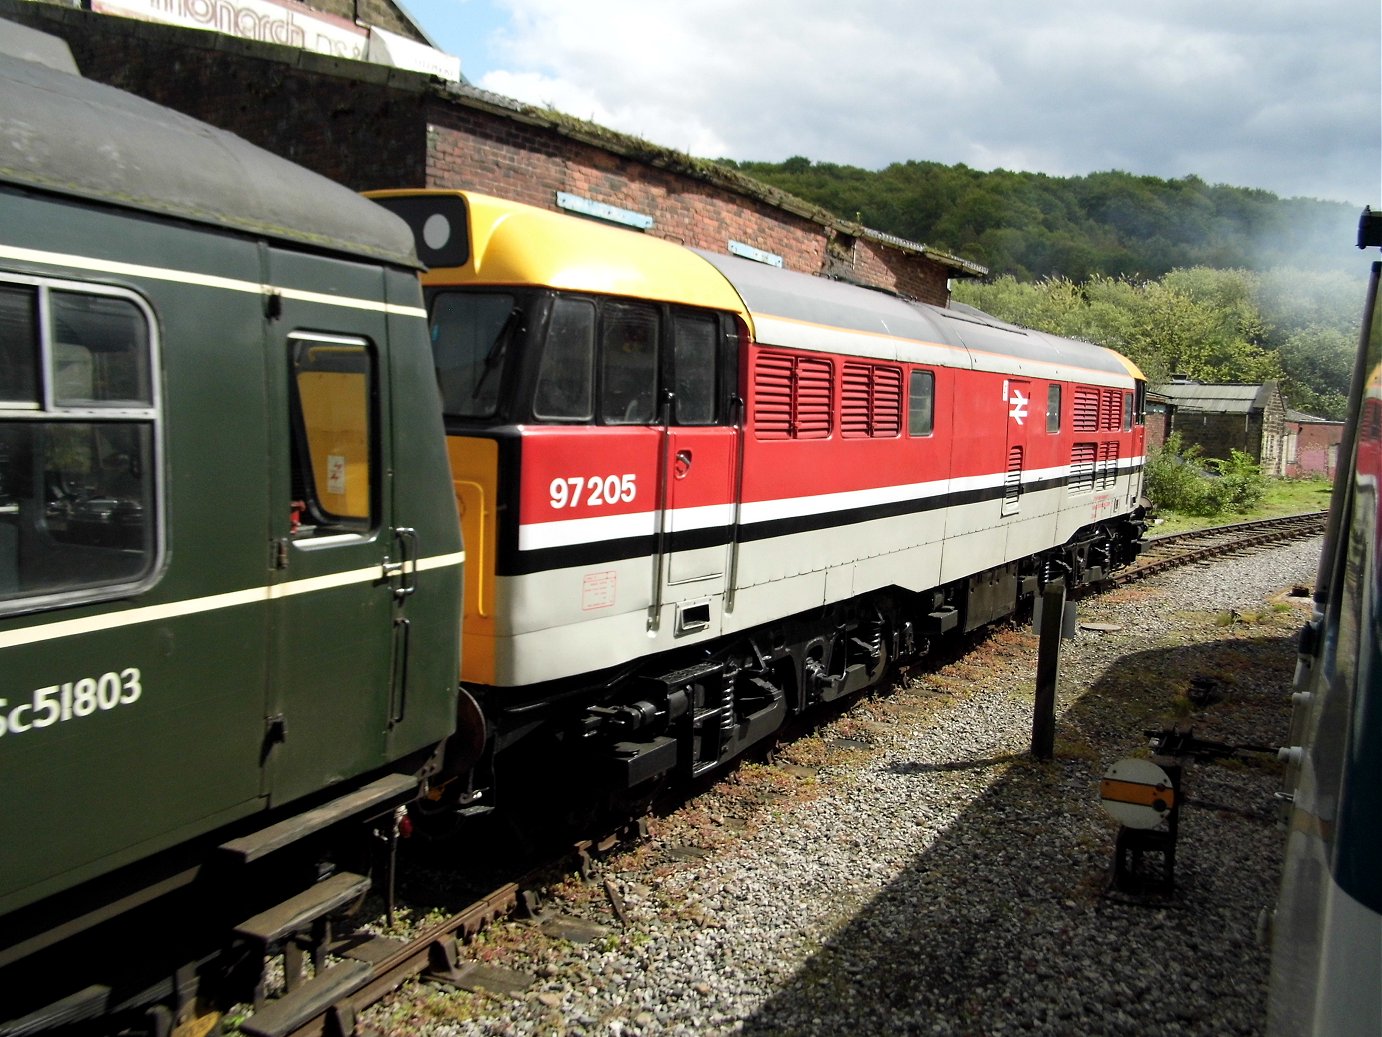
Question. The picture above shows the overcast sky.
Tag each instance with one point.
(1253, 93)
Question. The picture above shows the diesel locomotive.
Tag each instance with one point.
(230, 557)
(701, 494)
(1326, 974)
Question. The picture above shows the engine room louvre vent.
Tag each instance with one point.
(1012, 481)
(1111, 411)
(1082, 461)
(812, 399)
(871, 401)
(772, 397)
(1086, 410)
(1108, 465)
(792, 397)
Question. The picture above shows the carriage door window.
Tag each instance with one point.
(628, 364)
(77, 441)
(566, 377)
(333, 408)
(694, 342)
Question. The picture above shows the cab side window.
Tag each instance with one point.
(695, 339)
(921, 403)
(335, 431)
(566, 376)
(78, 442)
(628, 364)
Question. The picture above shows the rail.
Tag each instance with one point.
(436, 950)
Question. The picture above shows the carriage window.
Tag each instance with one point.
(921, 403)
(99, 353)
(78, 443)
(565, 380)
(694, 341)
(1127, 412)
(333, 434)
(1053, 408)
(471, 333)
(628, 364)
(18, 347)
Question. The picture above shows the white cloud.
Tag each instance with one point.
(1261, 94)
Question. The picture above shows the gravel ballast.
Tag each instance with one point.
(909, 868)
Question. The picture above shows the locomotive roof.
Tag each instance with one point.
(62, 133)
(513, 243)
(810, 300)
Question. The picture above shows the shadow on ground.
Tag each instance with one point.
(1006, 923)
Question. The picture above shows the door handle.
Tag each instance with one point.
(406, 566)
(682, 464)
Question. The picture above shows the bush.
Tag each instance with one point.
(1179, 479)
(1241, 485)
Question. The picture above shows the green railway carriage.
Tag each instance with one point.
(230, 560)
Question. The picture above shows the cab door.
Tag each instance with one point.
(698, 469)
(337, 557)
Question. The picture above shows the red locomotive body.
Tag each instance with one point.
(700, 494)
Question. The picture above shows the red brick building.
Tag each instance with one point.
(368, 125)
(1312, 445)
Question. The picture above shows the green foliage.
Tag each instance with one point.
(1179, 478)
(1241, 484)
(1162, 326)
(1224, 284)
(1213, 325)
(1112, 224)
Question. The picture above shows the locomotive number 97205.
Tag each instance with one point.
(593, 491)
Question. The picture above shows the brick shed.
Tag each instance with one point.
(1226, 417)
(340, 110)
(1312, 444)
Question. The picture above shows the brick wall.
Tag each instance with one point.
(1218, 434)
(368, 126)
(469, 150)
(1316, 447)
(1156, 428)
(364, 131)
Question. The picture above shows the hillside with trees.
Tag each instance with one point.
(1112, 224)
(1223, 284)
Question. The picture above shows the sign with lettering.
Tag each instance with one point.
(266, 21)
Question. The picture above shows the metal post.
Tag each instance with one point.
(1048, 670)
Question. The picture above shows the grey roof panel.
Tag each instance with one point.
(62, 133)
(769, 291)
(980, 331)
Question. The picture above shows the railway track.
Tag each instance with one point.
(371, 967)
(1177, 549)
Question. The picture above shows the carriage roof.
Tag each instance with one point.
(65, 134)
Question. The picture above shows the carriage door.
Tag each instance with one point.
(335, 552)
(1017, 398)
(698, 470)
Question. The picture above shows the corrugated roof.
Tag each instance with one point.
(1218, 399)
(1309, 419)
